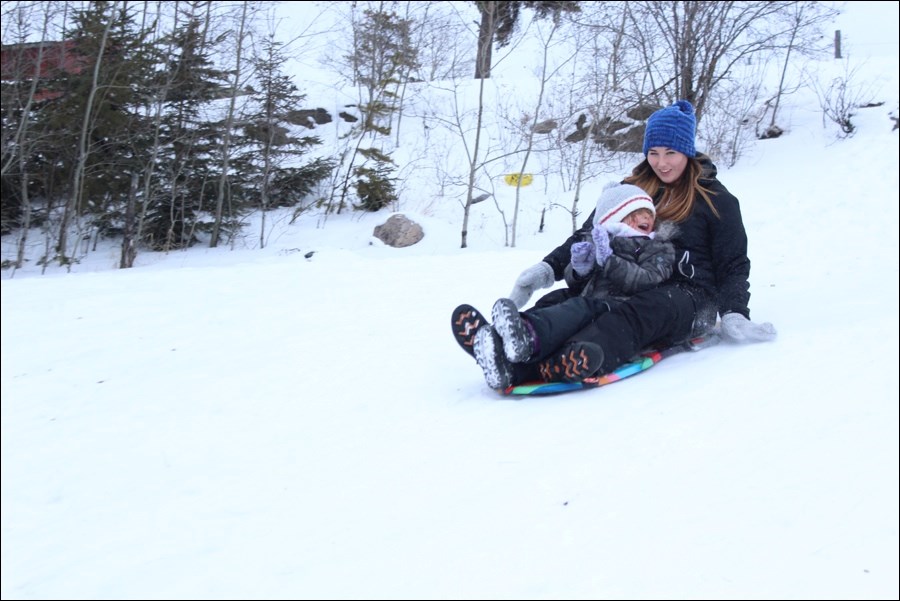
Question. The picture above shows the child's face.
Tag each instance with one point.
(642, 220)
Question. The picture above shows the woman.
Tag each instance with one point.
(711, 276)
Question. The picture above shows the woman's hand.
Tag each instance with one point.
(535, 277)
(737, 328)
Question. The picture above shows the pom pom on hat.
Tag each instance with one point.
(618, 200)
(674, 127)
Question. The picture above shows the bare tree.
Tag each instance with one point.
(727, 127)
(592, 101)
(803, 22)
(692, 46)
(473, 166)
(18, 104)
(441, 40)
(228, 125)
(840, 98)
(470, 127)
(547, 73)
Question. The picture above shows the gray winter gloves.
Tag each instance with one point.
(534, 278)
(737, 328)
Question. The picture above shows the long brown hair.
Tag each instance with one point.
(677, 199)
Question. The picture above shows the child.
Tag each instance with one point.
(623, 256)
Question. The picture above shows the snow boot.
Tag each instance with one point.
(488, 347)
(573, 363)
(516, 332)
(465, 321)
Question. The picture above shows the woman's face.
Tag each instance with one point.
(667, 164)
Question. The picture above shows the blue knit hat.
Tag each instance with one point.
(673, 127)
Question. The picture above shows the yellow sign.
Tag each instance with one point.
(513, 179)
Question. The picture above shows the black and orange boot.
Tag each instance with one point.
(465, 321)
(573, 363)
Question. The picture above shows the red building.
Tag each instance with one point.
(20, 63)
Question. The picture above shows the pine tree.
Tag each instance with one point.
(271, 173)
(94, 129)
(188, 174)
(383, 54)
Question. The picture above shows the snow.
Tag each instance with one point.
(252, 423)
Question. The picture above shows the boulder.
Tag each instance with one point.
(399, 231)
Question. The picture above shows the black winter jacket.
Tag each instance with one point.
(712, 250)
(637, 263)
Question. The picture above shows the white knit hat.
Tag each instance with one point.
(618, 200)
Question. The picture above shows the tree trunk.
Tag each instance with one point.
(473, 168)
(129, 244)
(72, 206)
(226, 137)
(529, 142)
(485, 39)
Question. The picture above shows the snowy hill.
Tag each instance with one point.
(252, 423)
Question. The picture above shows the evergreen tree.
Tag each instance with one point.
(188, 172)
(270, 168)
(383, 54)
(94, 131)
